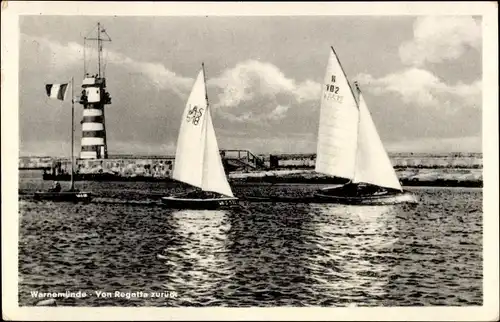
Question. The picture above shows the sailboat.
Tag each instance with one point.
(71, 195)
(197, 159)
(349, 146)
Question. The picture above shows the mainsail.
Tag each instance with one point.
(197, 157)
(338, 124)
(348, 142)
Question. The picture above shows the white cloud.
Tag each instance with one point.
(62, 56)
(245, 80)
(157, 73)
(139, 148)
(292, 143)
(440, 38)
(414, 85)
(430, 145)
(436, 39)
(55, 148)
(263, 85)
(241, 118)
(279, 112)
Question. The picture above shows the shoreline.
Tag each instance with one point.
(410, 177)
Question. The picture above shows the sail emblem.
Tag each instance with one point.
(332, 91)
(194, 115)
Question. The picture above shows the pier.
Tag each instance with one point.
(462, 169)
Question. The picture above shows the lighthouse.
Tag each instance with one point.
(94, 97)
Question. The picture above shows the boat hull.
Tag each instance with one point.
(390, 198)
(63, 196)
(179, 202)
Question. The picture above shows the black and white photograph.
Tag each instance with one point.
(327, 161)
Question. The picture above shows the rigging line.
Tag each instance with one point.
(91, 31)
(104, 31)
(105, 62)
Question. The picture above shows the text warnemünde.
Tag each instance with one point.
(80, 294)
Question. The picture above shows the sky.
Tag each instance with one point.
(421, 77)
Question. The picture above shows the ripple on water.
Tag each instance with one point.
(261, 254)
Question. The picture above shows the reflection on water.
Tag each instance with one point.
(198, 259)
(349, 239)
(269, 253)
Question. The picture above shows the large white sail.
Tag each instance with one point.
(190, 149)
(338, 125)
(214, 177)
(372, 162)
(197, 157)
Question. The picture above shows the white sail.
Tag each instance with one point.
(338, 125)
(214, 176)
(197, 157)
(190, 149)
(372, 162)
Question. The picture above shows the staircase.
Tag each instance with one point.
(242, 160)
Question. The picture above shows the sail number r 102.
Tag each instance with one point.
(332, 91)
(332, 88)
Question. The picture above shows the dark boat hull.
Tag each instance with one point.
(337, 195)
(180, 202)
(64, 196)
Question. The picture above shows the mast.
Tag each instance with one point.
(84, 57)
(206, 100)
(356, 98)
(205, 83)
(345, 75)
(72, 131)
(99, 49)
(357, 105)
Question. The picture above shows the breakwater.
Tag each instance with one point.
(454, 169)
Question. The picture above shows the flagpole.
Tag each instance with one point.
(72, 132)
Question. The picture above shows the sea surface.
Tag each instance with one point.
(260, 254)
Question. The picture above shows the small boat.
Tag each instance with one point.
(58, 91)
(185, 201)
(349, 147)
(67, 196)
(198, 161)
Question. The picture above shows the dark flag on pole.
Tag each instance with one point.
(56, 91)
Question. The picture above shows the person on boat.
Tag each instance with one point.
(351, 189)
(56, 187)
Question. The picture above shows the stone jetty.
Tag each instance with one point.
(412, 168)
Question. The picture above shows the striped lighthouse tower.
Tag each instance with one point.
(94, 98)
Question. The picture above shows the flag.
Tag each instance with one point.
(56, 91)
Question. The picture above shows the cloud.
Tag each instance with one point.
(157, 73)
(139, 148)
(62, 56)
(291, 143)
(251, 83)
(256, 91)
(440, 38)
(56, 55)
(419, 86)
(430, 145)
(279, 112)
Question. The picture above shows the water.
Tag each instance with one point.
(261, 254)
